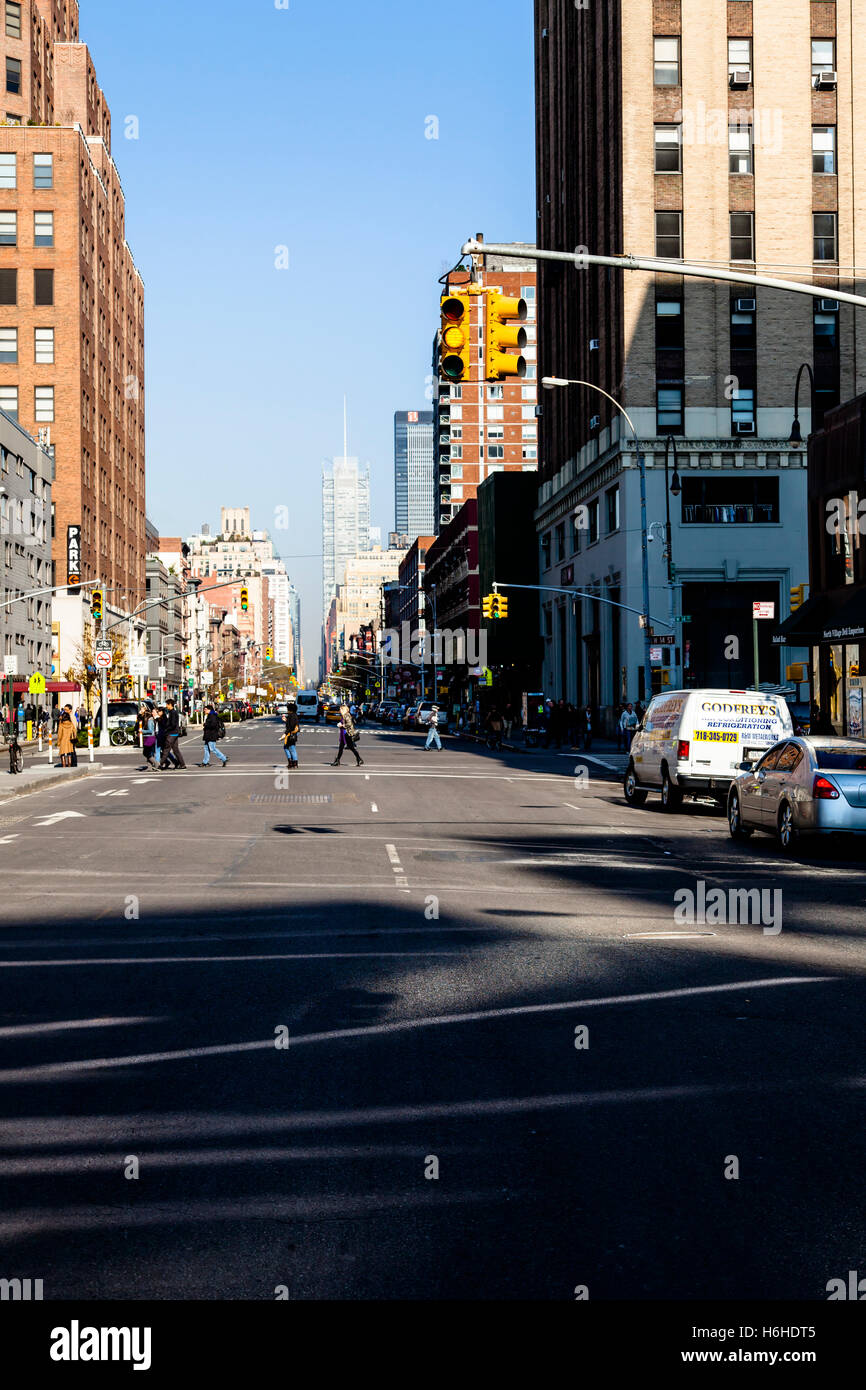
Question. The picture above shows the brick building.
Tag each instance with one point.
(484, 427)
(71, 299)
(725, 133)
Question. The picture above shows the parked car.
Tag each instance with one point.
(694, 742)
(409, 713)
(802, 786)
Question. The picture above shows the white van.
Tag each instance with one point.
(308, 705)
(692, 742)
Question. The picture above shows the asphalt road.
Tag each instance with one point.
(428, 934)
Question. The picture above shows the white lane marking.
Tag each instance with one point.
(392, 854)
(7, 839)
(113, 793)
(58, 816)
(31, 1030)
(141, 781)
(579, 809)
(407, 1025)
(664, 935)
(591, 758)
(373, 807)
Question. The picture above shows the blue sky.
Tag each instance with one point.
(262, 127)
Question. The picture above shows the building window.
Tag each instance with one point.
(740, 149)
(612, 500)
(742, 236)
(13, 76)
(668, 149)
(560, 542)
(739, 56)
(496, 432)
(8, 286)
(8, 344)
(43, 229)
(669, 325)
(666, 62)
(824, 236)
(669, 409)
(8, 228)
(530, 453)
(730, 501)
(823, 56)
(823, 149)
(743, 338)
(825, 357)
(527, 292)
(44, 402)
(43, 171)
(743, 411)
(496, 412)
(592, 521)
(13, 19)
(8, 171)
(495, 393)
(43, 287)
(44, 346)
(457, 470)
(669, 235)
(496, 451)
(9, 400)
(457, 493)
(12, 118)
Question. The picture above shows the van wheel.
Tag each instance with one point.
(786, 832)
(634, 795)
(735, 819)
(672, 797)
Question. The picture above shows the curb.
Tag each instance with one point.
(50, 779)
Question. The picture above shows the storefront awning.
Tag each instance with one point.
(804, 627)
(846, 622)
(51, 688)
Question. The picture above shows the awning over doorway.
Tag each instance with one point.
(846, 622)
(804, 627)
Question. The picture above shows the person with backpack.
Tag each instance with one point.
(214, 729)
(147, 725)
(290, 734)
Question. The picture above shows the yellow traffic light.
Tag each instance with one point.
(503, 336)
(245, 600)
(96, 605)
(503, 606)
(487, 605)
(269, 653)
(454, 337)
(798, 596)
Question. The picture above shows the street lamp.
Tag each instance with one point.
(549, 383)
(796, 436)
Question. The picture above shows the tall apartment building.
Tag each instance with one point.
(345, 521)
(482, 428)
(414, 484)
(71, 299)
(727, 132)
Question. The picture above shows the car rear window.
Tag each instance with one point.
(842, 759)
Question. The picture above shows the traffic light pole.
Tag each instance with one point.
(103, 692)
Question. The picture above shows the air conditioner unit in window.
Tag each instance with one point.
(825, 81)
(745, 306)
(740, 78)
(744, 427)
(828, 306)
(595, 422)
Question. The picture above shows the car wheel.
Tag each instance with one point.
(786, 831)
(672, 797)
(738, 830)
(634, 795)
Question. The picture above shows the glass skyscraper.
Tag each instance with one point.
(414, 492)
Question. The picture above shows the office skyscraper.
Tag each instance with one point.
(345, 521)
(414, 489)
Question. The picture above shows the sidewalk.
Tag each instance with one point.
(35, 779)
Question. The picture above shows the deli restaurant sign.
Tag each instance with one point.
(73, 556)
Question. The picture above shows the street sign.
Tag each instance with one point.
(191, 683)
(103, 660)
(207, 678)
(686, 618)
(663, 639)
(763, 610)
(10, 665)
(103, 645)
(162, 672)
(138, 666)
(656, 654)
(37, 684)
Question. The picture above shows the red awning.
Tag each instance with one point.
(51, 688)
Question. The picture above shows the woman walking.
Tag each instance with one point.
(148, 737)
(348, 735)
(66, 739)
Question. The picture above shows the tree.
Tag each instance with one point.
(84, 670)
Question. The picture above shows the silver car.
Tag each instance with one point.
(801, 786)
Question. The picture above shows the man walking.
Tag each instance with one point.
(628, 723)
(290, 734)
(433, 730)
(171, 753)
(213, 730)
